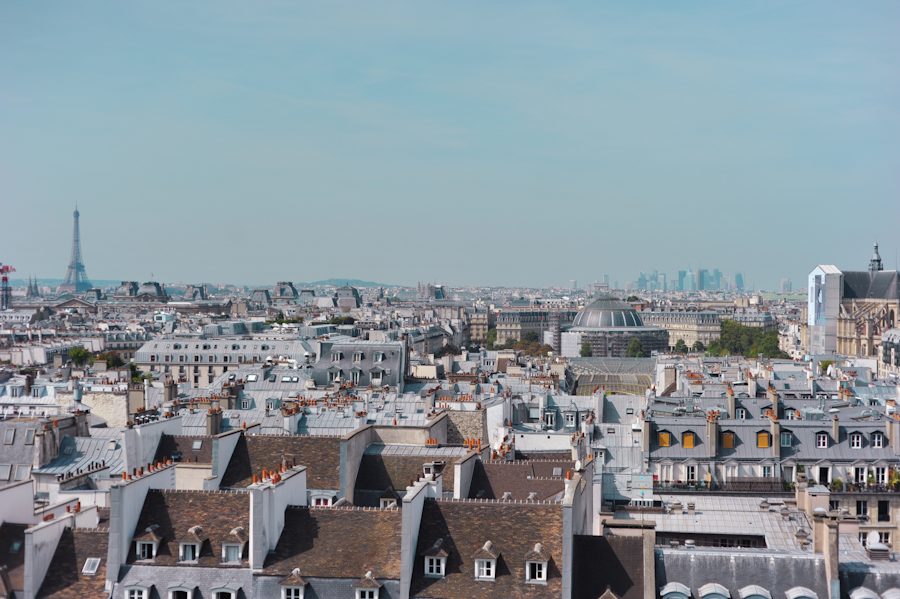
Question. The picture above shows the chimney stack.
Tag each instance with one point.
(712, 434)
(835, 429)
(732, 406)
(214, 420)
(773, 397)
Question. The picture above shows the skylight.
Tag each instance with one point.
(91, 565)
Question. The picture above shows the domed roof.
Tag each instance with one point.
(605, 312)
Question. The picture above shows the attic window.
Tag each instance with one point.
(231, 553)
(856, 441)
(485, 569)
(665, 439)
(388, 502)
(189, 552)
(197, 444)
(136, 593)
(728, 440)
(822, 440)
(435, 566)
(877, 440)
(570, 418)
(29, 436)
(688, 440)
(536, 571)
(145, 550)
(9, 436)
(367, 593)
(91, 565)
(252, 378)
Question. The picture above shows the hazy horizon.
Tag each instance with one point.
(466, 143)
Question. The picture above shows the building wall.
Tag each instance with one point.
(465, 425)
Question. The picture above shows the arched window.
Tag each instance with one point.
(754, 591)
(675, 590)
(713, 590)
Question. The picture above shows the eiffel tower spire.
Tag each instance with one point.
(76, 275)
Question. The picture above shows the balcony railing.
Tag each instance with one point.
(734, 485)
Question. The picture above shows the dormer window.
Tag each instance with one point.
(293, 586)
(336, 356)
(145, 550)
(536, 564)
(664, 438)
(571, 418)
(378, 357)
(877, 440)
(763, 440)
(822, 440)
(434, 567)
(357, 356)
(231, 553)
(91, 565)
(368, 587)
(728, 440)
(549, 419)
(856, 441)
(486, 562)
(136, 593)
(485, 569)
(688, 440)
(189, 552)
(740, 414)
(388, 502)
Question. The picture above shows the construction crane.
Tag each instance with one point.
(5, 269)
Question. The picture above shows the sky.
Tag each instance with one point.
(469, 143)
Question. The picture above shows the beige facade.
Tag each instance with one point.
(690, 327)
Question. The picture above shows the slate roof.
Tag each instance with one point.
(64, 579)
(181, 448)
(320, 455)
(616, 562)
(78, 453)
(218, 513)
(338, 543)
(883, 284)
(380, 472)
(491, 480)
(513, 529)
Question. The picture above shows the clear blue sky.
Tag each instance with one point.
(480, 142)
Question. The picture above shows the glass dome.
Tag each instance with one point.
(607, 312)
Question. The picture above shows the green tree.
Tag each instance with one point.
(79, 356)
(681, 347)
(698, 346)
(585, 349)
(635, 348)
(531, 337)
(447, 350)
(491, 338)
(824, 364)
(632, 298)
(113, 360)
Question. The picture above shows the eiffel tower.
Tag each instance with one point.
(76, 276)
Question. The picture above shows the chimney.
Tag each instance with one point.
(170, 390)
(645, 436)
(751, 386)
(775, 430)
(29, 381)
(772, 394)
(893, 433)
(712, 434)
(830, 546)
(835, 429)
(214, 420)
(732, 406)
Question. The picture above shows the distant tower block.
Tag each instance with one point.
(76, 275)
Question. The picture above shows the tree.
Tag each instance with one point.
(113, 360)
(79, 356)
(491, 338)
(698, 346)
(531, 337)
(447, 350)
(585, 349)
(632, 298)
(681, 347)
(635, 348)
(739, 340)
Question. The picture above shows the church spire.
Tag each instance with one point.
(875, 263)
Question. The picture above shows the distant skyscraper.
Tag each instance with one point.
(76, 275)
(739, 281)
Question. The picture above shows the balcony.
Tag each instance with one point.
(734, 485)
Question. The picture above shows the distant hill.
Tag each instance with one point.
(351, 282)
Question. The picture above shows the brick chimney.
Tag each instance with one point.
(712, 434)
(214, 420)
(836, 429)
(775, 430)
(772, 395)
(732, 406)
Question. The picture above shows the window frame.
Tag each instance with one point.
(182, 547)
(878, 440)
(856, 441)
(664, 439)
(292, 592)
(435, 566)
(485, 569)
(367, 593)
(688, 439)
(789, 436)
(760, 435)
(240, 551)
(136, 593)
(821, 440)
(139, 554)
(540, 569)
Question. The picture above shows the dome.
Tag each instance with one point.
(607, 312)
